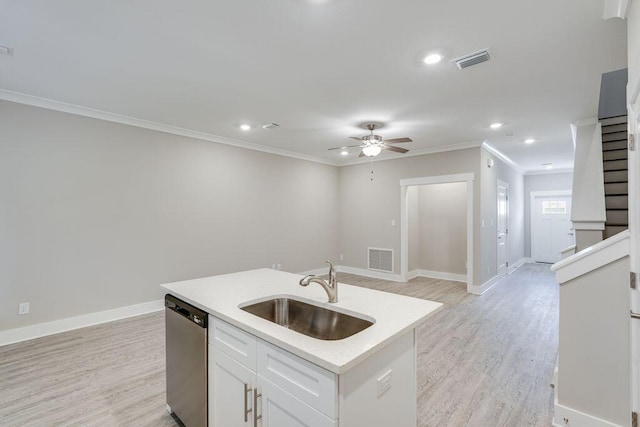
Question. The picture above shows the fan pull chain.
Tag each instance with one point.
(371, 163)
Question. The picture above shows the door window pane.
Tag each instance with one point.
(554, 207)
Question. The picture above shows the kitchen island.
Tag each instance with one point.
(263, 374)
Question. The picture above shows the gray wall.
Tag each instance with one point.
(95, 215)
(545, 182)
(438, 227)
(368, 207)
(490, 176)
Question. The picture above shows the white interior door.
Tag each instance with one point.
(502, 228)
(551, 229)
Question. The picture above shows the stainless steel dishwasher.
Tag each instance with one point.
(186, 342)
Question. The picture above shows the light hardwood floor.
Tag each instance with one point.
(482, 361)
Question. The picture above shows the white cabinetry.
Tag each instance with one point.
(267, 387)
(253, 383)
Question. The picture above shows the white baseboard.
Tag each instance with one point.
(369, 273)
(11, 336)
(518, 264)
(481, 289)
(577, 418)
(437, 275)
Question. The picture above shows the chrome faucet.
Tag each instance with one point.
(331, 288)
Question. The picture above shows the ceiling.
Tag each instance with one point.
(321, 68)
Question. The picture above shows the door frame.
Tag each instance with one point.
(532, 209)
(505, 185)
(468, 178)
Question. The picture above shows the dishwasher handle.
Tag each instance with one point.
(193, 314)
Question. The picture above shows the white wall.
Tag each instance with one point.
(544, 182)
(368, 207)
(441, 229)
(95, 215)
(490, 176)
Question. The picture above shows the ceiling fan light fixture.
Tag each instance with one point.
(344, 152)
(372, 150)
(496, 125)
(372, 139)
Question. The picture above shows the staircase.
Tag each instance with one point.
(615, 167)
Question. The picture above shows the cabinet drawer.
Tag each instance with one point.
(233, 342)
(310, 383)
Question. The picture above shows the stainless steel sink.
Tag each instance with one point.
(308, 319)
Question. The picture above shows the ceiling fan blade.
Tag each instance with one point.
(356, 137)
(344, 146)
(396, 149)
(397, 140)
(361, 154)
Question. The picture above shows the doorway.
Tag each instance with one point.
(405, 184)
(502, 228)
(551, 228)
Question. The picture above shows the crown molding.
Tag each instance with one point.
(549, 171)
(79, 110)
(513, 165)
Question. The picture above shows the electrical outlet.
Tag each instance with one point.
(393, 222)
(23, 308)
(384, 383)
(341, 257)
(273, 266)
(279, 267)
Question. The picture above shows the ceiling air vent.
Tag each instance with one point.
(472, 59)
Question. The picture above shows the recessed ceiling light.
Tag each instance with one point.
(344, 152)
(433, 58)
(496, 125)
(529, 141)
(245, 127)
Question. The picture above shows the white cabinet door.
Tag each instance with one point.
(230, 391)
(280, 409)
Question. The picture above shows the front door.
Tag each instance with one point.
(551, 229)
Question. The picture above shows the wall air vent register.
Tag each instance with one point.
(380, 259)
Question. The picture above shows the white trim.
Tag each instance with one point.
(568, 251)
(491, 149)
(588, 225)
(370, 273)
(404, 219)
(577, 418)
(549, 171)
(79, 110)
(438, 275)
(616, 9)
(518, 264)
(11, 336)
(413, 153)
(593, 257)
(479, 290)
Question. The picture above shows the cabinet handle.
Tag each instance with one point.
(256, 417)
(247, 390)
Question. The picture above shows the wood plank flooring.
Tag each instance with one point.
(482, 361)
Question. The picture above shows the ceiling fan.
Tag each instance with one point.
(372, 144)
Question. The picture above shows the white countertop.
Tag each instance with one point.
(221, 295)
